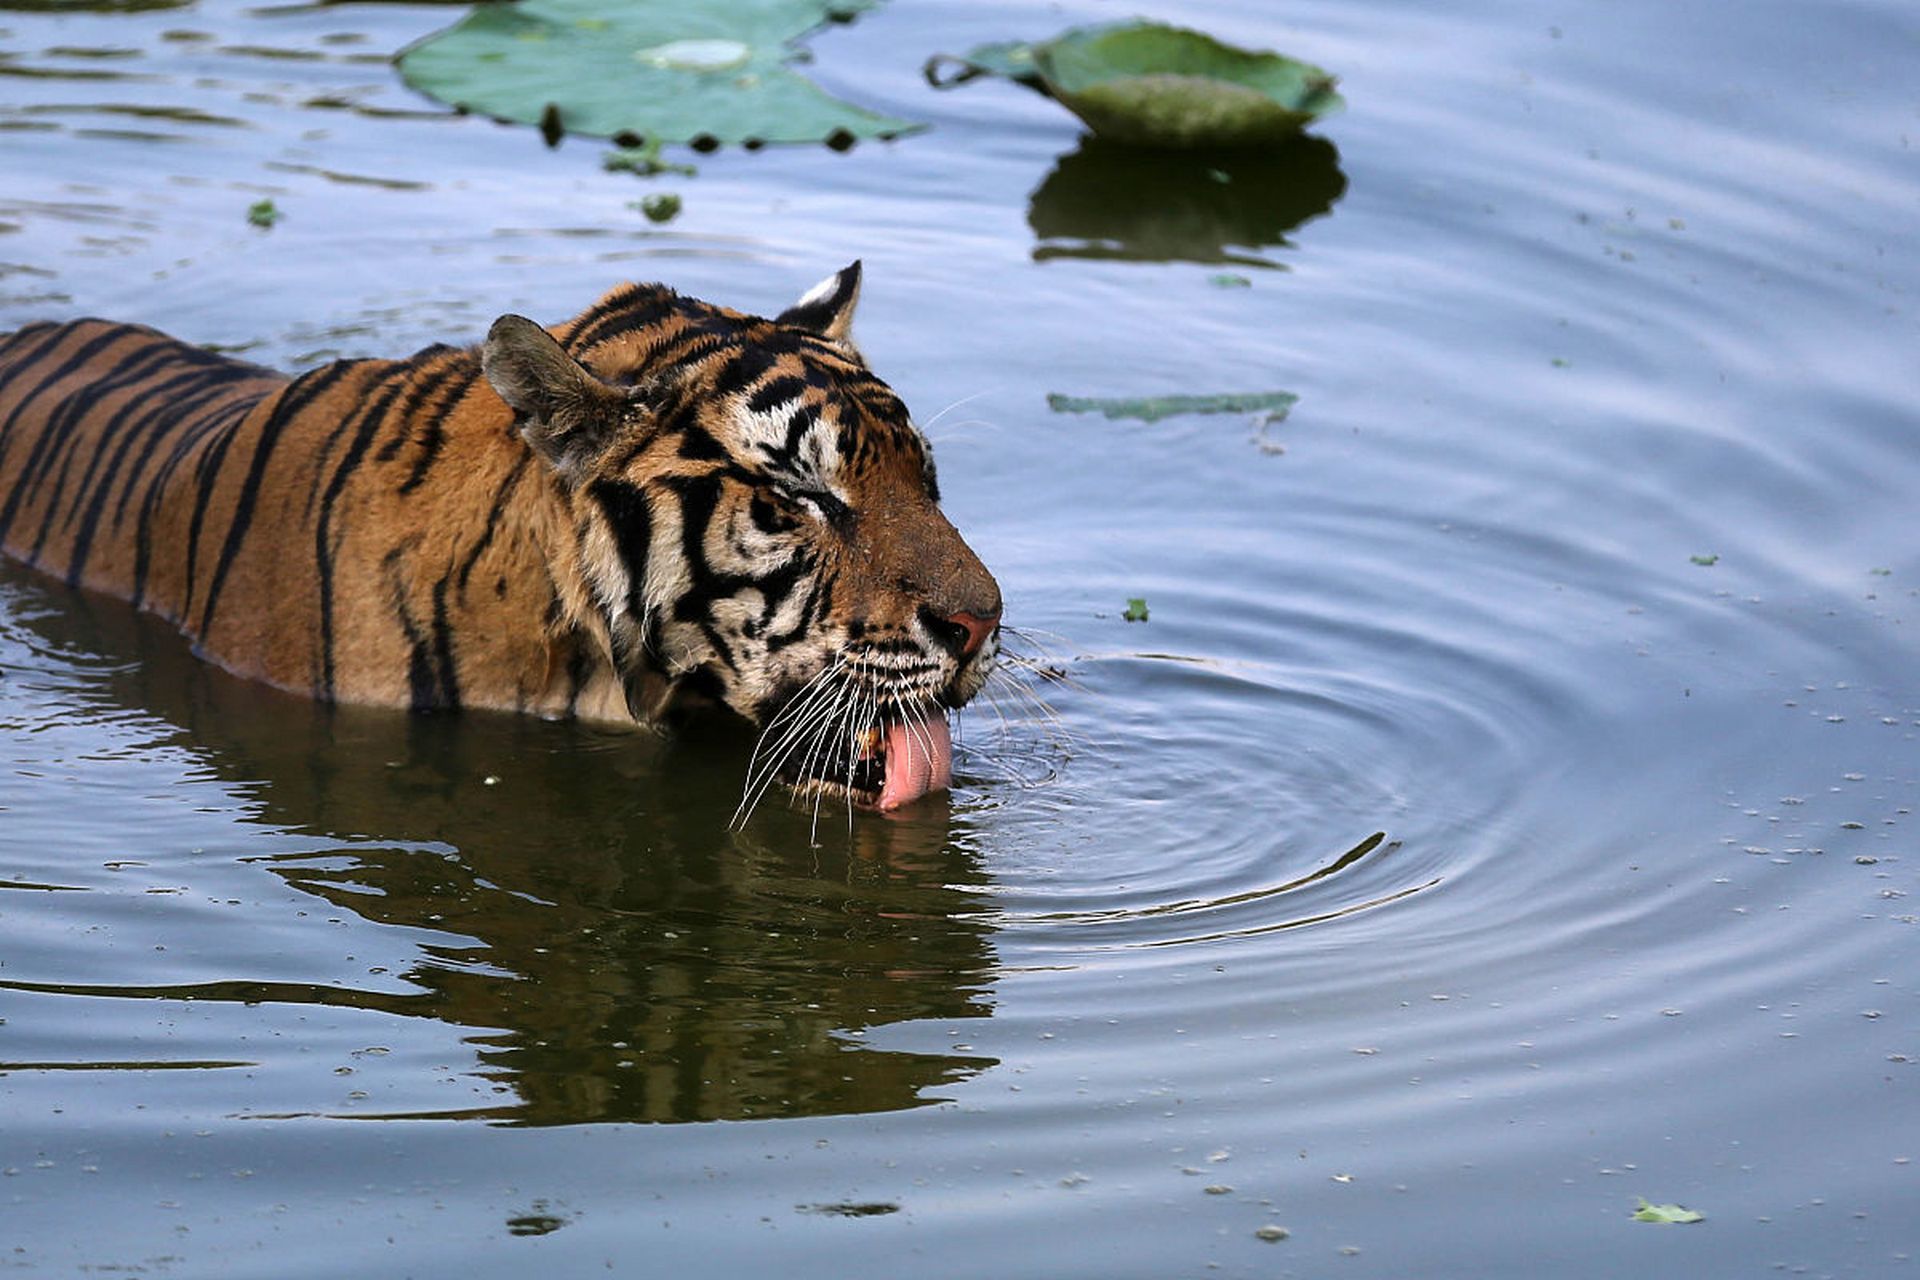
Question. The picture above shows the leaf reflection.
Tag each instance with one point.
(1110, 201)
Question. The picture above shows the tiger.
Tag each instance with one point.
(658, 508)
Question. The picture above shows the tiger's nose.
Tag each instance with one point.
(977, 629)
(962, 631)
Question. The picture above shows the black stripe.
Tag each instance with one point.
(431, 682)
(85, 352)
(38, 328)
(58, 431)
(776, 392)
(436, 422)
(378, 372)
(64, 421)
(474, 553)
(207, 474)
(76, 358)
(580, 667)
(582, 325)
(187, 432)
(88, 520)
(721, 648)
(627, 511)
(139, 370)
(699, 502)
(419, 389)
(747, 367)
(777, 584)
(369, 422)
(420, 674)
(156, 427)
(30, 361)
(698, 496)
(690, 345)
(803, 420)
(697, 444)
(294, 397)
(817, 598)
(622, 314)
(443, 649)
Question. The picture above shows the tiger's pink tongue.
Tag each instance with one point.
(919, 760)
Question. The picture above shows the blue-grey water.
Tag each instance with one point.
(1504, 813)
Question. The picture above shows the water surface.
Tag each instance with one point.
(1505, 812)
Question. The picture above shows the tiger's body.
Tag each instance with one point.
(659, 502)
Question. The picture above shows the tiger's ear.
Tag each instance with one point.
(566, 414)
(827, 308)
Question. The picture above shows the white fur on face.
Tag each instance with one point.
(815, 462)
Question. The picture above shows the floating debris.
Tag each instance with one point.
(1153, 408)
(1665, 1213)
(662, 206)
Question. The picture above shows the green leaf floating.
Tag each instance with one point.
(1664, 1213)
(1152, 85)
(695, 71)
(1153, 408)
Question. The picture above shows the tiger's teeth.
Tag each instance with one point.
(866, 743)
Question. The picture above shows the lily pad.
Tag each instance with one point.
(1154, 408)
(1153, 85)
(704, 72)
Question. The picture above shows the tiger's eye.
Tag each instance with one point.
(828, 507)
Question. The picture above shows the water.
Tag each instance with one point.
(1451, 859)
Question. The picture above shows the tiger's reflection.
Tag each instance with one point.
(616, 953)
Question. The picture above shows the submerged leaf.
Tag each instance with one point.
(686, 71)
(662, 206)
(1154, 408)
(644, 161)
(1665, 1213)
(1149, 84)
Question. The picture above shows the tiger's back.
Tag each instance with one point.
(114, 439)
(215, 494)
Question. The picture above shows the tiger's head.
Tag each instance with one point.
(756, 522)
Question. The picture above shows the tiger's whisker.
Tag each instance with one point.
(795, 706)
(803, 740)
(929, 424)
(810, 725)
(773, 745)
(822, 735)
